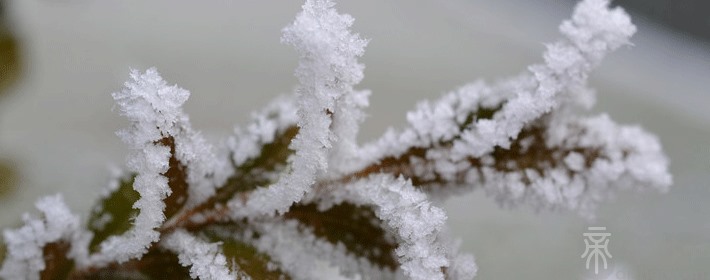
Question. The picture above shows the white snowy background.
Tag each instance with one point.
(57, 127)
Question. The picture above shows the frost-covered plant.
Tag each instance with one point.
(293, 195)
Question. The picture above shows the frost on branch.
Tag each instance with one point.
(293, 196)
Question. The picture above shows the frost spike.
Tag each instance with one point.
(162, 140)
(205, 260)
(327, 71)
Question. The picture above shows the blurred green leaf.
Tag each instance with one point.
(8, 178)
(9, 59)
(356, 227)
(114, 214)
(3, 251)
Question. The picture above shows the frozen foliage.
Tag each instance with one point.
(273, 120)
(204, 259)
(57, 227)
(304, 256)
(406, 211)
(293, 195)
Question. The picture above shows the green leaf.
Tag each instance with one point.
(57, 265)
(3, 251)
(8, 178)
(356, 227)
(9, 59)
(483, 113)
(255, 172)
(114, 214)
(243, 257)
(249, 261)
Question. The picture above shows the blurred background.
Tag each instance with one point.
(61, 59)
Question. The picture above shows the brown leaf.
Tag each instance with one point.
(356, 227)
(57, 264)
(177, 180)
(157, 264)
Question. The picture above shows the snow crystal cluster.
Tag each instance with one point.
(522, 140)
(26, 245)
(204, 259)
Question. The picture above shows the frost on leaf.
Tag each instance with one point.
(355, 227)
(45, 247)
(205, 260)
(114, 213)
(302, 255)
(260, 151)
(243, 258)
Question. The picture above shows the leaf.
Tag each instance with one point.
(8, 178)
(356, 227)
(405, 163)
(250, 261)
(9, 59)
(528, 151)
(243, 257)
(177, 180)
(57, 265)
(114, 214)
(255, 172)
(157, 264)
(3, 251)
(483, 113)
